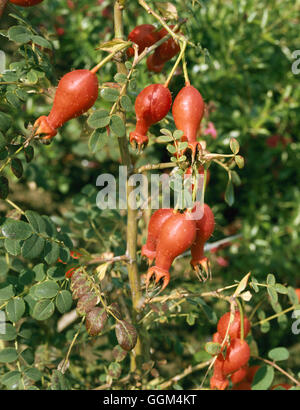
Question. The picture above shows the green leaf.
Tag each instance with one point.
(117, 126)
(126, 103)
(51, 252)
(43, 310)
(57, 272)
(234, 146)
(273, 294)
(164, 139)
(253, 284)
(236, 180)
(64, 301)
(33, 374)
(18, 230)
(110, 94)
(98, 140)
(8, 355)
(10, 333)
(263, 378)
(12, 246)
(32, 77)
(5, 122)
(17, 167)
(29, 153)
(271, 279)
(171, 149)
(240, 162)
(40, 272)
(278, 354)
(12, 99)
(41, 41)
(11, 379)
(15, 309)
(36, 221)
(33, 247)
(6, 293)
(27, 354)
(280, 289)
(4, 189)
(213, 348)
(19, 34)
(229, 193)
(47, 289)
(177, 134)
(191, 318)
(26, 277)
(165, 131)
(292, 295)
(99, 119)
(120, 78)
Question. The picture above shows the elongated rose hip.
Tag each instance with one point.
(155, 225)
(151, 105)
(77, 91)
(176, 236)
(188, 110)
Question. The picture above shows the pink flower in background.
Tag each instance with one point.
(210, 130)
(222, 261)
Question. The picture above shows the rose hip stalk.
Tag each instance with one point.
(188, 110)
(77, 91)
(156, 222)
(165, 52)
(176, 236)
(26, 3)
(151, 105)
(205, 228)
(144, 36)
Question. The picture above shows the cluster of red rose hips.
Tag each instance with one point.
(233, 359)
(170, 234)
(145, 36)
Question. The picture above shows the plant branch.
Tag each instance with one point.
(134, 280)
(278, 368)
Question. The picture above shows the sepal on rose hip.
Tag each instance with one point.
(202, 268)
(159, 274)
(43, 127)
(138, 141)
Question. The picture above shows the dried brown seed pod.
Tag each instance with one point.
(126, 335)
(95, 321)
(86, 303)
(115, 309)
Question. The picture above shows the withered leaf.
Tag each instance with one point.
(86, 303)
(126, 335)
(95, 321)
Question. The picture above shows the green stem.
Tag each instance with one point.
(109, 57)
(241, 318)
(185, 71)
(274, 316)
(134, 280)
(181, 54)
